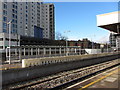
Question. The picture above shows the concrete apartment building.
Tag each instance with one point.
(30, 19)
(8, 11)
(47, 20)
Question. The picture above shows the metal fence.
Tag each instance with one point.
(36, 51)
(25, 52)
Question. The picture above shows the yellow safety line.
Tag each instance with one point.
(98, 80)
(8, 68)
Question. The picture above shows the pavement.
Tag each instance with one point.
(109, 79)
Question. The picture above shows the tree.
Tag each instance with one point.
(59, 36)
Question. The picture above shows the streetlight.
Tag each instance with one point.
(67, 43)
(9, 23)
(118, 37)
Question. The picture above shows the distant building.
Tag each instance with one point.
(112, 39)
(85, 43)
(47, 20)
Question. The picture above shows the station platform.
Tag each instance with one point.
(109, 79)
(10, 66)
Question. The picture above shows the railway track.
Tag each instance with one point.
(62, 78)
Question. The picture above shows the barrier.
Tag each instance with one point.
(61, 59)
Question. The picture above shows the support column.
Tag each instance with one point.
(49, 51)
(65, 51)
(55, 51)
(79, 51)
(60, 51)
(20, 55)
(15, 52)
(38, 51)
(31, 51)
(24, 51)
(28, 52)
(75, 50)
(44, 51)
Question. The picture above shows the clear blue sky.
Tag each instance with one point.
(80, 19)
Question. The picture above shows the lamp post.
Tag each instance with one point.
(118, 31)
(67, 43)
(9, 23)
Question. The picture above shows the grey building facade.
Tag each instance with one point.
(112, 39)
(26, 16)
(28, 19)
(47, 20)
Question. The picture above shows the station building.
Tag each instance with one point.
(111, 22)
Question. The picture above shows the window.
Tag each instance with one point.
(26, 20)
(16, 26)
(13, 10)
(15, 21)
(4, 12)
(16, 16)
(13, 26)
(26, 15)
(14, 31)
(5, 6)
(4, 30)
(13, 6)
(4, 25)
(4, 18)
(13, 15)
(16, 7)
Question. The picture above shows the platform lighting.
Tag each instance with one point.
(9, 23)
(67, 43)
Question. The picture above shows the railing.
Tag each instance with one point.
(36, 51)
(25, 52)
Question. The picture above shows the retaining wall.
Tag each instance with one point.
(16, 75)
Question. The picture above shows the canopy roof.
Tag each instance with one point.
(109, 21)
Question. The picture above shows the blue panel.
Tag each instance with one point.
(38, 32)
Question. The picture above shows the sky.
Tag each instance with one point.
(80, 19)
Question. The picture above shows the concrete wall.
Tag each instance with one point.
(51, 60)
(15, 75)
